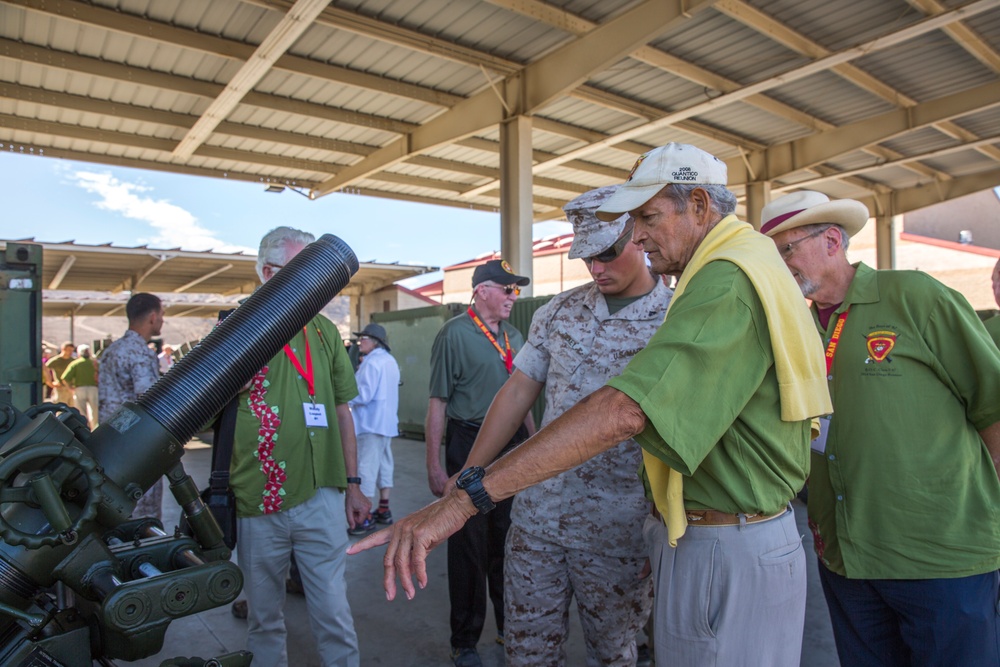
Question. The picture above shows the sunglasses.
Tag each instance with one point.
(612, 253)
(507, 289)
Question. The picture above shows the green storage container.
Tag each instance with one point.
(411, 335)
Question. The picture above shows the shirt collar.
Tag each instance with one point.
(864, 286)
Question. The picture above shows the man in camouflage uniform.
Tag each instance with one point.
(128, 369)
(580, 533)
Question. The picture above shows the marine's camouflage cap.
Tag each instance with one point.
(590, 235)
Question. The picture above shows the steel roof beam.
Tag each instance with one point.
(770, 27)
(48, 57)
(789, 157)
(281, 38)
(901, 161)
(963, 35)
(821, 65)
(166, 33)
(559, 18)
(528, 90)
(898, 202)
(63, 270)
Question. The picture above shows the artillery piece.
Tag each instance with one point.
(81, 581)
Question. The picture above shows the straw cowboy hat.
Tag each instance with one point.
(812, 208)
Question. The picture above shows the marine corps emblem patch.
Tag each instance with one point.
(880, 344)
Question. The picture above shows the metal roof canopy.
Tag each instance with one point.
(107, 268)
(893, 102)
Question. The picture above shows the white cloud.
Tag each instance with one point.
(172, 225)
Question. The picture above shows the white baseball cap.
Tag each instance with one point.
(673, 163)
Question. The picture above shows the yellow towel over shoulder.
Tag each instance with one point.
(798, 351)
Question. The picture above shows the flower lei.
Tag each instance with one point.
(267, 434)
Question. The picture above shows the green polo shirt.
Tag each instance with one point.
(707, 384)
(993, 329)
(278, 462)
(466, 369)
(58, 366)
(81, 373)
(906, 488)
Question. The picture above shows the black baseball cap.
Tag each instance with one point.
(498, 271)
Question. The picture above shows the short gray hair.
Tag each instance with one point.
(845, 238)
(723, 201)
(274, 246)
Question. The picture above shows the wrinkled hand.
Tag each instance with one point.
(451, 484)
(357, 505)
(437, 479)
(411, 538)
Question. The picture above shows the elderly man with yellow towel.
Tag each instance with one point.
(721, 401)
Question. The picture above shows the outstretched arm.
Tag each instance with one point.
(510, 408)
(592, 426)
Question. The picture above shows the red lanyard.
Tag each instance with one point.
(507, 356)
(831, 349)
(306, 374)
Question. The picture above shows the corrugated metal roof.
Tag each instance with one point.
(123, 81)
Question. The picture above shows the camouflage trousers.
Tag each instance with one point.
(541, 578)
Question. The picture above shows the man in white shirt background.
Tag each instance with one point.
(375, 421)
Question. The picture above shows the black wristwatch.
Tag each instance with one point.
(354, 480)
(471, 480)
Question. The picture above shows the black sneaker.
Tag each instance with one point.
(383, 517)
(362, 528)
(465, 657)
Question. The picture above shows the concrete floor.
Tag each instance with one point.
(408, 633)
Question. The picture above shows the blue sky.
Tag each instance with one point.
(57, 200)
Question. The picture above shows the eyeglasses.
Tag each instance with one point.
(789, 248)
(507, 289)
(361, 338)
(611, 254)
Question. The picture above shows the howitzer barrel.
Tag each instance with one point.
(203, 382)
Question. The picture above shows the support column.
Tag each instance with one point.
(516, 213)
(357, 317)
(758, 195)
(885, 240)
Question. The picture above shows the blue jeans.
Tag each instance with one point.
(925, 622)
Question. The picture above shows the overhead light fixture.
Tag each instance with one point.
(277, 187)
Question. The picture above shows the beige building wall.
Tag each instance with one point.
(391, 298)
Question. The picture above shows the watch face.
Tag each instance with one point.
(469, 476)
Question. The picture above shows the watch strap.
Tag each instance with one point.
(472, 482)
(354, 480)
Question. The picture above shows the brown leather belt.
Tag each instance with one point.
(716, 518)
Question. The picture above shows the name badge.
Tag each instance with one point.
(819, 444)
(315, 414)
